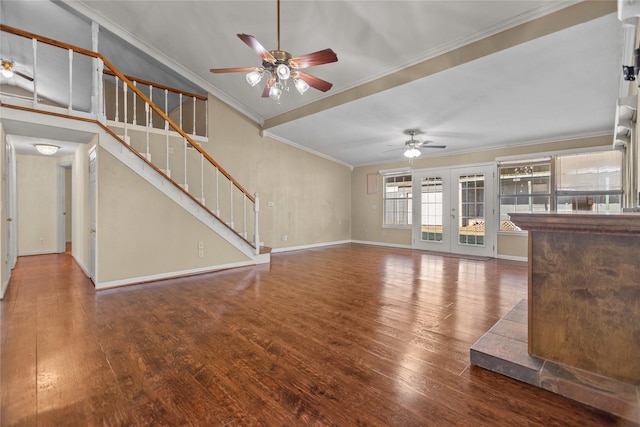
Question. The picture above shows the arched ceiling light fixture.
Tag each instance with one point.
(281, 66)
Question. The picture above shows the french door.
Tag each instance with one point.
(454, 210)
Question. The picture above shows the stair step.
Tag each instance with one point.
(265, 250)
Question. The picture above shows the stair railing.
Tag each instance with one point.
(224, 207)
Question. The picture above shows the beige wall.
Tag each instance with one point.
(311, 195)
(142, 233)
(36, 184)
(367, 208)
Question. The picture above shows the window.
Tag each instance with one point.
(570, 183)
(590, 182)
(397, 199)
(524, 187)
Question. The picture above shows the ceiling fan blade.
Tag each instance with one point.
(433, 146)
(315, 82)
(316, 58)
(24, 76)
(255, 45)
(232, 70)
(267, 87)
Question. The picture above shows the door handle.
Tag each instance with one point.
(9, 219)
(93, 230)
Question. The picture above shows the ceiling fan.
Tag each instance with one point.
(280, 65)
(8, 70)
(412, 146)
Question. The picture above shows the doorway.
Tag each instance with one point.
(63, 208)
(454, 210)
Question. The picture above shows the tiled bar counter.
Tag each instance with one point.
(583, 312)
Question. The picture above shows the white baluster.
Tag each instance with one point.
(134, 106)
(206, 118)
(194, 116)
(166, 102)
(34, 44)
(202, 178)
(147, 113)
(217, 193)
(95, 96)
(180, 102)
(117, 96)
(166, 134)
(256, 236)
(70, 81)
(150, 109)
(101, 99)
(231, 203)
(186, 186)
(125, 118)
(244, 215)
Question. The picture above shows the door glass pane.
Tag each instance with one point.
(471, 218)
(431, 209)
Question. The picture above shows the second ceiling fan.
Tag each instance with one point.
(280, 66)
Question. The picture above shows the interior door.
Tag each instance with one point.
(454, 210)
(92, 213)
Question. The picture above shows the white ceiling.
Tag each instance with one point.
(561, 85)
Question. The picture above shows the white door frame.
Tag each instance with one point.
(61, 240)
(93, 206)
(11, 204)
(450, 202)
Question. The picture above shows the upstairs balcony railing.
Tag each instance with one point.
(148, 118)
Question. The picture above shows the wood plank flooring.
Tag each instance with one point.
(349, 335)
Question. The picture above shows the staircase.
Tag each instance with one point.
(158, 133)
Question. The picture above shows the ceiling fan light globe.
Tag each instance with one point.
(412, 153)
(275, 91)
(302, 86)
(283, 71)
(254, 77)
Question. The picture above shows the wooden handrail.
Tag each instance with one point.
(124, 78)
(159, 86)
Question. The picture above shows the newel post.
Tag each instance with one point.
(256, 236)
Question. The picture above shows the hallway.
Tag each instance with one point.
(344, 335)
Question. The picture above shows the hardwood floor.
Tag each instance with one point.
(349, 335)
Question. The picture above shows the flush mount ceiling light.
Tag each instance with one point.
(47, 149)
(281, 66)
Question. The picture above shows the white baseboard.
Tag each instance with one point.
(169, 275)
(513, 258)
(50, 252)
(5, 286)
(314, 245)
(389, 245)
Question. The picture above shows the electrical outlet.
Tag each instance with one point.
(270, 204)
(201, 253)
(200, 245)
(41, 240)
(284, 237)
